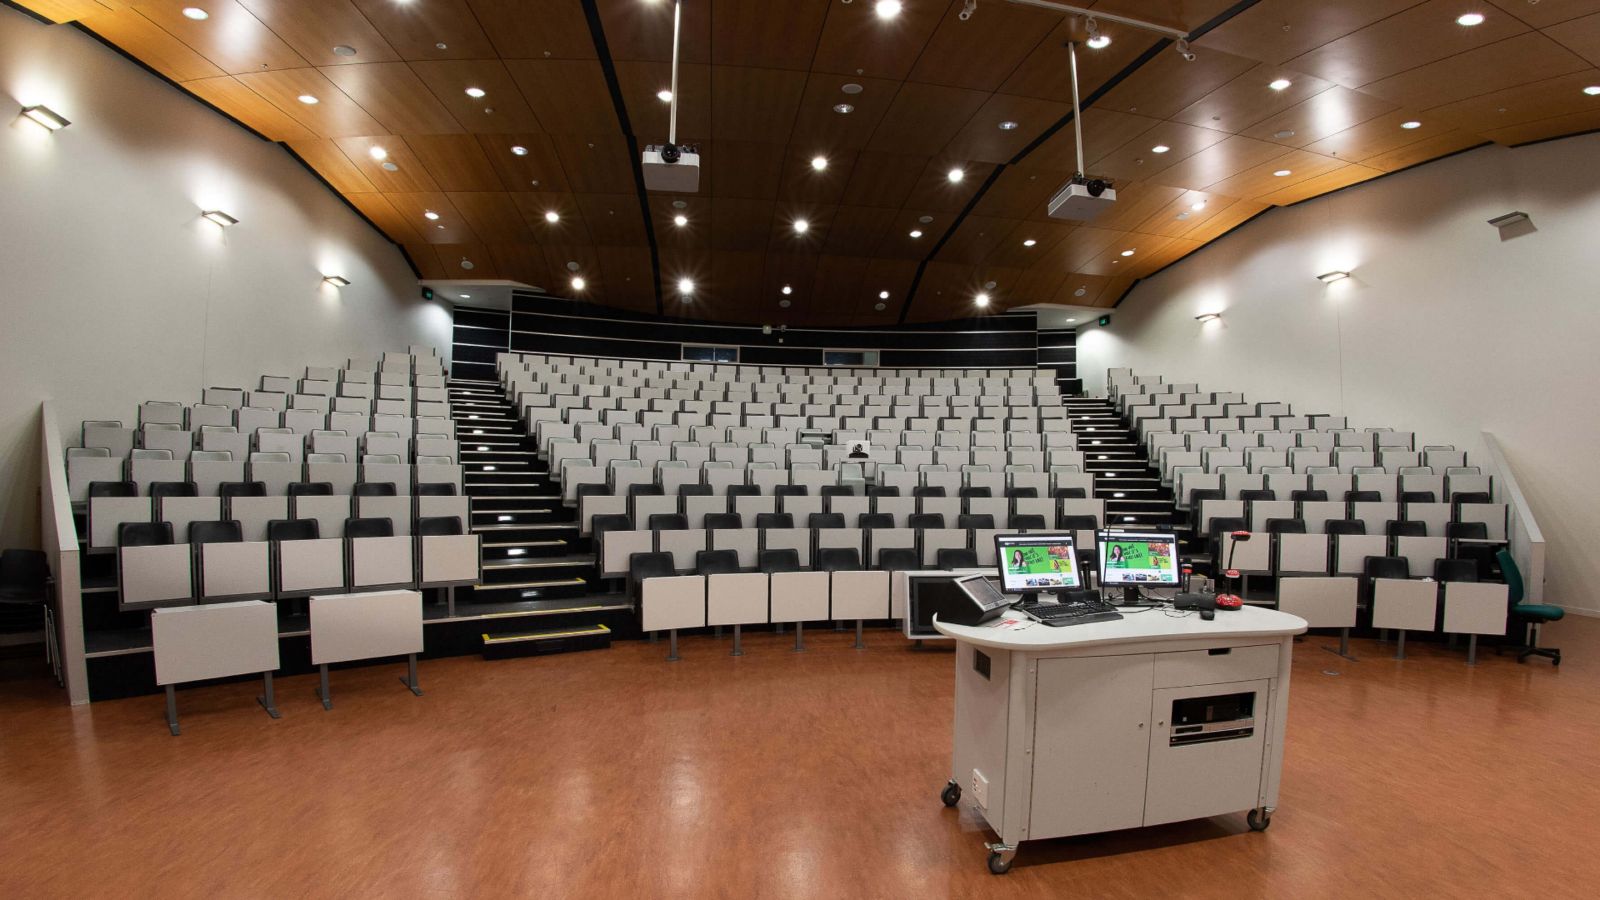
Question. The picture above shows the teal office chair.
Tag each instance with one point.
(1529, 615)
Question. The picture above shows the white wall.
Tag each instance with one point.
(114, 289)
(1444, 328)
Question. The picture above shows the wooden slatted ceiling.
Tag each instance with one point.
(758, 85)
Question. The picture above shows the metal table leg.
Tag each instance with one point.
(672, 650)
(859, 644)
(325, 695)
(799, 636)
(738, 650)
(411, 674)
(266, 699)
(172, 709)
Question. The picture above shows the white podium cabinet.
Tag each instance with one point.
(1149, 719)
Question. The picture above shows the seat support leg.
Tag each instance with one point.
(266, 699)
(323, 693)
(172, 709)
(1472, 649)
(411, 675)
(859, 644)
(672, 645)
(799, 636)
(738, 649)
(1400, 643)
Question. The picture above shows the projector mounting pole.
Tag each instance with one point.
(672, 114)
(1077, 114)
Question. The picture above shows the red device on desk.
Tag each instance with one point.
(1232, 601)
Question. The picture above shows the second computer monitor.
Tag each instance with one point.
(1036, 563)
(1134, 559)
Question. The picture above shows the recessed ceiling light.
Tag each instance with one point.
(843, 108)
(680, 220)
(219, 217)
(1160, 148)
(883, 295)
(1127, 253)
(664, 95)
(196, 13)
(1029, 242)
(44, 115)
(879, 306)
(307, 99)
(475, 92)
(916, 232)
(982, 299)
(1281, 172)
(786, 290)
(430, 215)
(801, 226)
(1592, 90)
(1279, 84)
(1008, 125)
(925, 219)
(685, 286)
(1078, 293)
(887, 9)
(469, 297)
(520, 150)
(819, 163)
(552, 216)
(347, 50)
(578, 283)
(1283, 133)
(955, 176)
(1099, 42)
(1410, 125)
(1198, 205)
(378, 153)
(850, 87)
(390, 167)
(1469, 19)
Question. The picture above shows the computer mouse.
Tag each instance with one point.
(1208, 614)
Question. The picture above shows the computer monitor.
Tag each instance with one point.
(1136, 559)
(1036, 563)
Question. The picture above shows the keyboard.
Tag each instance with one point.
(1071, 612)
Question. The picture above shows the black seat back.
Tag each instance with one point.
(590, 488)
(1023, 493)
(723, 520)
(1467, 531)
(1218, 525)
(898, 559)
(1386, 567)
(1070, 493)
(435, 526)
(875, 520)
(1252, 496)
(928, 490)
(227, 531)
(956, 558)
(1078, 523)
(1198, 496)
(825, 520)
(774, 520)
(1286, 526)
(883, 490)
(716, 562)
(668, 522)
(773, 561)
(173, 489)
(1344, 526)
(1456, 500)
(839, 559)
(790, 490)
(610, 522)
(1312, 496)
(311, 489)
(435, 489)
(1405, 528)
(975, 520)
(1362, 497)
(368, 527)
(925, 520)
(293, 530)
(642, 566)
(744, 490)
(1455, 570)
(644, 489)
(242, 489)
(1418, 497)
(24, 572)
(375, 489)
(837, 490)
(144, 534)
(694, 490)
(978, 491)
(1026, 522)
(112, 489)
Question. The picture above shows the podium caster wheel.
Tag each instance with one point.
(1258, 819)
(951, 795)
(999, 864)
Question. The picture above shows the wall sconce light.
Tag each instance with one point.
(336, 280)
(1509, 219)
(219, 217)
(1331, 277)
(1207, 317)
(45, 116)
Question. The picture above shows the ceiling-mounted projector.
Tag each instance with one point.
(1082, 199)
(669, 167)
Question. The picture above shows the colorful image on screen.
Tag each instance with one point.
(1142, 561)
(1038, 567)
